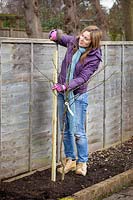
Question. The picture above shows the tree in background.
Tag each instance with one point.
(60, 14)
(1, 5)
(115, 21)
(100, 17)
(13, 7)
(32, 18)
(51, 14)
(29, 10)
(127, 10)
(72, 16)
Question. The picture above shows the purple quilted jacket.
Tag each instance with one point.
(83, 71)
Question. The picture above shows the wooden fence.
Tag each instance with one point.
(16, 33)
(26, 67)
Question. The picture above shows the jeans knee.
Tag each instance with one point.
(77, 137)
(80, 138)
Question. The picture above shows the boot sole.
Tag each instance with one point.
(80, 173)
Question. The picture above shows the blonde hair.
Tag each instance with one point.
(95, 36)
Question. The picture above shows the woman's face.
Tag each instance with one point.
(84, 39)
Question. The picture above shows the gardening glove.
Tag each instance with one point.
(59, 88)
(53, 35)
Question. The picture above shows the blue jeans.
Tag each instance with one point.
(79, 137)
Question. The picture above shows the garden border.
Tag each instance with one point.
(104, 188)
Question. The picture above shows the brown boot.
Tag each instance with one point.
(81, 168)
(70, 165)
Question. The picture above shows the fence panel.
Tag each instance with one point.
(42, 105)
(94, 122)
(113, 95)
(26, 107)
(15, 70)
(127, 92)
(110, 112)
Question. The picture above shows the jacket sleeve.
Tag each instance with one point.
(63, 39)
(85, 74)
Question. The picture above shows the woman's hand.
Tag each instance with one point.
(53, 35)
(59, 88)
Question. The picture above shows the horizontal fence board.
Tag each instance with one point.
(13, 168)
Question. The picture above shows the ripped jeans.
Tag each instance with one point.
(80, 138)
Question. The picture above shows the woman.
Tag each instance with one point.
(81, 61)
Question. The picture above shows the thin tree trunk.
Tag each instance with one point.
(71, 19)
(100, 17)
(127, 7)
(33, 24)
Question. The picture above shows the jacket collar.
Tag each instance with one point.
(96, 51)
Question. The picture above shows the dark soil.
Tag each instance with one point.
(102, 165)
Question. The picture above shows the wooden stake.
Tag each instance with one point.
(54, 119)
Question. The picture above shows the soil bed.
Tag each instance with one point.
(102, 165)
